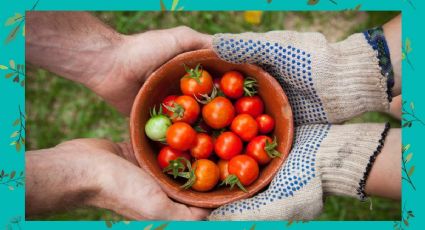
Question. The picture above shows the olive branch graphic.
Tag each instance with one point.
(11, 180)
(174, 6)
(17, 71)
(19, 134)
(406, 158)
(408, 115)
(18, 20)
(406, 215)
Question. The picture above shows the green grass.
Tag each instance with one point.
(60, 110)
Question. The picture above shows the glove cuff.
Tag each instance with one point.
(356, 81)
(347, 155)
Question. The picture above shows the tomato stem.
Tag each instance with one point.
(250, 86)
(175, 167)
(189, 175)
(194, 73)
(270, 148)
(205, 98)
(233, 180)
(176, 109)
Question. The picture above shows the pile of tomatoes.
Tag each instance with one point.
(215, 131)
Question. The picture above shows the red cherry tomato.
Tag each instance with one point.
(218, 113)
(168, 154)
(216, 82)
(262, 149)
(196, 81)
(203, 146)
(185, 109)
(245, 168)
(253, 106)
(232, 84)
(265, 123)
(228, 145)
(223, 167)
(181, 136)
(206, 175)
(168, 102)
(244, 126)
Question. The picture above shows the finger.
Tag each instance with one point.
(188, 39)
(183, 212)
(238, 48)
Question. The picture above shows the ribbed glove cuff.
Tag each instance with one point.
(347, 155)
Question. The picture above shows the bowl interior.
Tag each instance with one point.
(166, 81)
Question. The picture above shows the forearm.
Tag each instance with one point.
(75, 45)
(54, 182)
(392, 31)
(385, 176)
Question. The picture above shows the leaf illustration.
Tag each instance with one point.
(12, 35)
(12, 20)
(407, 46)
(252, 227)
(13, 143)
(163, 8)
(409, 157)
(16, 122)
(3, 67)
(108, 223)
(406, 222)
(12, 64)
(357, 8)
(403, 56)
(412, 106)
(174, 5)
(23, 30)
(411, 170)
(9, 75)
(23, 83)
(14, 134)
(15, 220)
(18, 146)
(161, 227)
(406, 147)
(312, 2)
(12, 174)
(148, 227)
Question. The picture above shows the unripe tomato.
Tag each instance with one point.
(228, 145)
(207, 175)
(181, 136)
(245, 168)
(245, 126)
(203, 146)
(265, 123)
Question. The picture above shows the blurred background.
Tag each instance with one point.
(60, 110)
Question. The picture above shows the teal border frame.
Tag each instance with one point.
(12, 117)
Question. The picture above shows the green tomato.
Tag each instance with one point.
(157, 126)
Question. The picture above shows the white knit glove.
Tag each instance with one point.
(325, 160)
(325, 82)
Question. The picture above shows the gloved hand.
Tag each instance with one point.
(325, 160)
(325, 82)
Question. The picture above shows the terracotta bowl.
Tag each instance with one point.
(165, 81)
